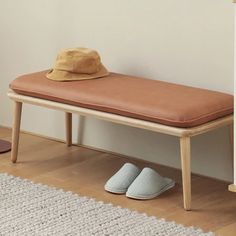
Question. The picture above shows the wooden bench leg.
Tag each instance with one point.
(16, 130)
(68, 124)
(186, 171)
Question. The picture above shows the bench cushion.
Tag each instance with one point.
(151, 100)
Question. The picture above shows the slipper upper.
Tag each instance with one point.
(120, 181)
(148, 183)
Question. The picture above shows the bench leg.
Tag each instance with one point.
(186, 171)
(16, 130)
(68, 124)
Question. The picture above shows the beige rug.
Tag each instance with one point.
(34, 209)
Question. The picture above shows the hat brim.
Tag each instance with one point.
(60, 75)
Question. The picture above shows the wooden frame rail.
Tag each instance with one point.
(184, 134)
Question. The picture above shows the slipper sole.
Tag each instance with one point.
(115, 191)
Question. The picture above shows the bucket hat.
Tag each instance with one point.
(77, 64)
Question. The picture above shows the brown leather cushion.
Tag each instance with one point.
(157, 101)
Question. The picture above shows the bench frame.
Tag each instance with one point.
(184, 134)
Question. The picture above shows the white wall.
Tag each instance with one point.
(185, 41)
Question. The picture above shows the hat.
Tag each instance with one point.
(77, 64)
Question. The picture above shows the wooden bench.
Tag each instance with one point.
(162, 107)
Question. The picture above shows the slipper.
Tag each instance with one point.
(120, 181)
(149, 184)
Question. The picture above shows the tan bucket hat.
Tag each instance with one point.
(77, 64)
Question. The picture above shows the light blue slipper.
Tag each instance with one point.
(120, 181)
(149, 184)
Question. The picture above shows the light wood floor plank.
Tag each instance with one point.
(228, 230)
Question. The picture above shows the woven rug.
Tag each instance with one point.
(35, 209)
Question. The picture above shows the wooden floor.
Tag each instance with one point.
(85, 171)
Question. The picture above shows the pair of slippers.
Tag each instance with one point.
(137, 184)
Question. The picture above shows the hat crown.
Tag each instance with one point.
(77, 64)
(78, 60)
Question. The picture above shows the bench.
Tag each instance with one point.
(159, 106)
